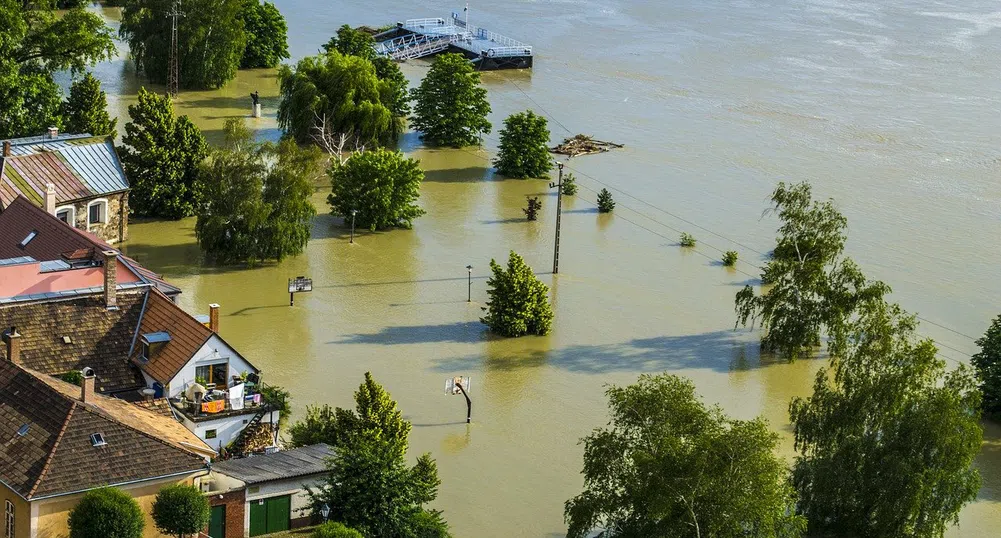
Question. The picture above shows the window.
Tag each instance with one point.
(210, 434)
(97, 212)
(27, 239)
(23, 430)
(213, 373)
(145, 355)
(9, 520)
(66, 214)
(97, 439)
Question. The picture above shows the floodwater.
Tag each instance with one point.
(889, 107)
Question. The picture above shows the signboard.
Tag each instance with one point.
(300, 284)
(452, 385)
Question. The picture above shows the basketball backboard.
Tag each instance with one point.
(452, 384)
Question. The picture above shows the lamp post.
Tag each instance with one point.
(469, 296)
(353, 213)
(325, 512)
(559, 212)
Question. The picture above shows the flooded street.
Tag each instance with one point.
(888, 107)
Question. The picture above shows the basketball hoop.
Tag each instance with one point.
(460, 385)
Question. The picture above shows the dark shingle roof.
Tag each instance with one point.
(56, 455)
(304, 461)
(100, 338)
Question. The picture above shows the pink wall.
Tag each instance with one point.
(25, 279)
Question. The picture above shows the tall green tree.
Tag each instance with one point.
(519, 302)
(34, 43)
(86, 110)
(814, 287)
(181, 510)
(267, 35)
(108, 513)
(161, 155)
(333, 94)
(210, 40)
(370, 486)
(669, 466)
(987, 364)
(255, 198)
(887, 439)
(450, 106)
(524, 150)
(351, 42)
(382, 186)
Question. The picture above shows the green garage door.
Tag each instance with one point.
(270, 515)
(217, 523)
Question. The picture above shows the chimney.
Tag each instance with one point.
(6, 148)
(53, 133)
(50, 198)
(214, 318)
(13, 341)
(87, 385)
(110, 280)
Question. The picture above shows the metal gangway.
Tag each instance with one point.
(432, 35)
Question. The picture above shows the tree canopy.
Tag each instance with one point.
(161, 155)
(108, 513)
(519, 302)
(382, 186)
(450, 106)
(987, 363)
(86, 110)
(336, 94)
(370, 486)
(180, 510)
(669, 466)
(887, 439)
(351, 42)
(524, 146)
(255, 198)
(210, 40)
(813, 285)
(267, 35)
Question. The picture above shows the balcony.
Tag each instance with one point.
(217, 403)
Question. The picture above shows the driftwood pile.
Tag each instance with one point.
(583, 145)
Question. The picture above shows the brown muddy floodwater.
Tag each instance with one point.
(889, 107)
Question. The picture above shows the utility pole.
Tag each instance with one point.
(559, 211)
(174, 72)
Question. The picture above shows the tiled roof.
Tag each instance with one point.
(56, 456)
(187, 336)
(100, 338)
(57, 240)
(282, 465)
(80, 168)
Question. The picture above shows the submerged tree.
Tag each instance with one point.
(267, 35)
(519, 301)
(86, 110)
(161, 155)
(524, 146)
(605, 202)
(382, 186)
(887, 439)
(450, 105)
(351, 42)
(987, 363)
(532, 211)
(670, 467)
(813, 285)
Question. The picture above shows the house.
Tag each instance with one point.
(57, 445)
(27, 230)
(266, 493)
(77, 178)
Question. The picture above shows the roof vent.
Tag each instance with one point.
(23, 430)
(97, 439)
(27, 239)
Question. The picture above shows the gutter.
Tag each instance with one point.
(130, 482)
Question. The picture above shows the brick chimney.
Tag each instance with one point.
(50, 198)
(6, 148)
(214, 317)
(110, 279)
(53, 133)
(13, 341)
(87, 385)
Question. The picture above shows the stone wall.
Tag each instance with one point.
(116, 229)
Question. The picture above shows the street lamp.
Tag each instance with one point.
(325, 512)
(559, 212)
(469, 297)
(353, 213)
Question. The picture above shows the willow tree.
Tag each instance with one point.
(450, 106)
(334, 94)
(887, 440)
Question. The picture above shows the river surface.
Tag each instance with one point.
(889, 107)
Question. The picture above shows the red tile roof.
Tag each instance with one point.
(187, 336)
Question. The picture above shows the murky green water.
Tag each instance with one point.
(885, 106)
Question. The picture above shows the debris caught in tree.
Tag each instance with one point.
(583, 145)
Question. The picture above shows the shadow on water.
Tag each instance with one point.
(720, 351)
(472, 174)
(415, 281)
(178, 259)
(505, 221)
(466, 332)
(584, 211)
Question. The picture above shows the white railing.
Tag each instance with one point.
(423, 23)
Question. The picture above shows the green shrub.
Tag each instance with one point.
(180, 509)
(333, 529)
(108, 513)
(73, 376)
(687, 240)
(605, 202)
(569, 185)
(730, 258)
